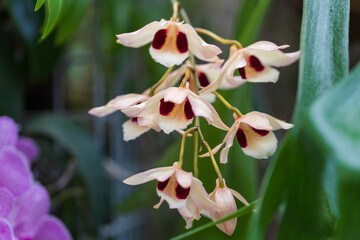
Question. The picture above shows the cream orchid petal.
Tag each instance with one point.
(168, 124)
(175, 94)
(275, 58)
(133, 130)
(258, 143)
(125, 101)
(204, 109)
(270, 54)
(236, 61)
(190, 211)
(149, 107)
(266, 46)
(277, 123)
(267, 75)
(214, 151)
(198, 46)
(168, 58)
(229, 140)
(256, 120)
(239, 196)
(142, 36)
(183, 178)
(156, 206)
(173, 202)
(102, 111)
(160, 174)
(231, 83)
(199, 195)
(210, 97)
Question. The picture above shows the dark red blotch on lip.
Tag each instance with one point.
(255, 63)
(182, 193)
(181, 42)
(240, 135)
(242, 72)
(134, 119)
(159, 39)
(189, 114)
(166, 107)
(204, 81)
(261, 132)
(162, 185)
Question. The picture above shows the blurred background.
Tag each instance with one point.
(49, 85)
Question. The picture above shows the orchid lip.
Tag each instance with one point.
(159, 39)
(256, 64)
(166, 107)
(241, 137)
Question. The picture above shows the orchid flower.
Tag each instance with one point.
(23, 204)
(174, 186)
(254, 64)
(30, 219)
(254, 134)
(224, 197)
(171, 42)
(174, 109)
(9, 137)
(6, 206)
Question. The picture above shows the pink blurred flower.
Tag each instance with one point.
(24, 205)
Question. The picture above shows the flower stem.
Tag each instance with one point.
(182, 148)
(162, 79)
(218, 38)
(176, 6)
(227, 104)
(186, 77)
(216, 167)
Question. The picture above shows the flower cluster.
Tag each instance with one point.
(24, 203)
(184, 95)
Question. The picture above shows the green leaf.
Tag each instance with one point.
(71, 15)
(295, 176)
(239, 213)
(324, 45)
(39, 4)
(336, 118)
(251, 16)
(87, 154)
(52, 16)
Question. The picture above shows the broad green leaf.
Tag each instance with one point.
(80, 144)
(295, 176)
(336, 116)
(324, 45)
(39, 4)
(239, 213)
(52, 16)
(71, 15)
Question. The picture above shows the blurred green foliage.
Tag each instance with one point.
(314, 177)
